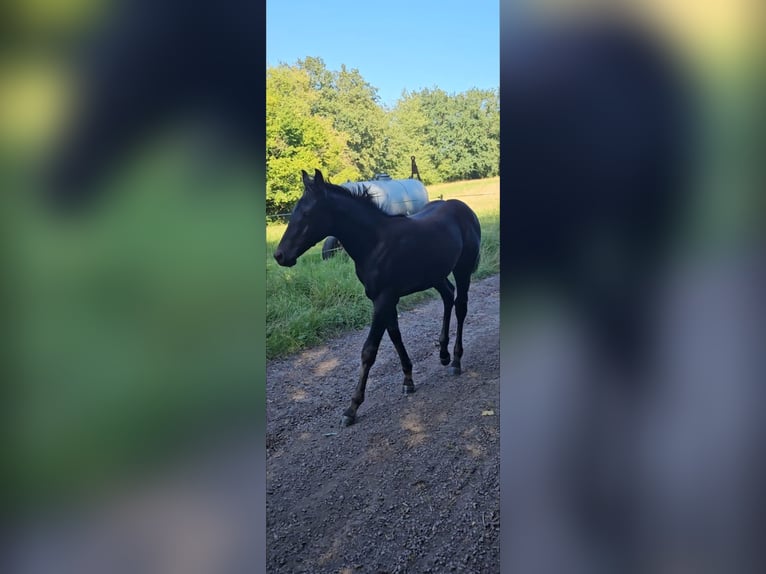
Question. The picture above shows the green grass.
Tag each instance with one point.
(317, 299)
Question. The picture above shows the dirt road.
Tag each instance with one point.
(413, 486)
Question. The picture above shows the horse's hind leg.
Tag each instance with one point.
(447, 291)
(462, 281)
(408, 386)
(369, 353)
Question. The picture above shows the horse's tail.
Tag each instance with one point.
(478, 248)
(476, 264)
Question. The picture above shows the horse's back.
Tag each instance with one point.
(428, 209)
(440, 215)
(466, 213)
(446, 209)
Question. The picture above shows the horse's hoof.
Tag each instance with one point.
(445, 360)
(408, 389)
(455, 370)
(347, 420)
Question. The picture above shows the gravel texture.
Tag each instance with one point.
(413, 485)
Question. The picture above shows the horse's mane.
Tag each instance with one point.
(356, 191)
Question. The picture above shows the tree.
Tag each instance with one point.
(458, 135)
(353, 106)
(411, 124)
(333, 120)
(296, 139)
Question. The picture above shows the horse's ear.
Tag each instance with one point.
(306, 179)
(318, 178)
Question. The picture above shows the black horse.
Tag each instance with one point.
(395, 255)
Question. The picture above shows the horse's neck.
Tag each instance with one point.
(357, 225)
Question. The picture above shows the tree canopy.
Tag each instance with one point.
(334, 121)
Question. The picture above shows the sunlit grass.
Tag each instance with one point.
(482, 195)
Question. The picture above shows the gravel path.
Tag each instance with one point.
(413, 486)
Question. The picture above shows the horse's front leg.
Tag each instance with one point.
(369, 353)
(408, 386)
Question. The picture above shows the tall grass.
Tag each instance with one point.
(317, 298)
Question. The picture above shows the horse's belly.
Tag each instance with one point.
(403, 278)
(425, 275)
(414, 263)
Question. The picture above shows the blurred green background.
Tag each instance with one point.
(134, 330)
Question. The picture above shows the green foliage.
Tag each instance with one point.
(352, 104)
(333, 120)
(458, 135)
(298, 139)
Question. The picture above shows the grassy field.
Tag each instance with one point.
(317, 299)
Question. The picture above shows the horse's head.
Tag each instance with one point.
(309, 223)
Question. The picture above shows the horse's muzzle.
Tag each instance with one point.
(279, 255)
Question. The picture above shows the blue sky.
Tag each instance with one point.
(395, 45)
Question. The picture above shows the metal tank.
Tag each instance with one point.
(394, 196)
